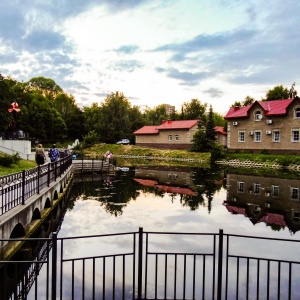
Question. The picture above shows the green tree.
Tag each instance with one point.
(156, 115)
(210, 134)
(41, 120)
(277, 93)
(193, 110)
(115, 122)
(46, 86)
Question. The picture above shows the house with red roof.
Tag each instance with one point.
(169, 135)
(172, 135)
(265, 125)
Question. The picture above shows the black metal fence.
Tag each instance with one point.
(16, 188)
(156, 265)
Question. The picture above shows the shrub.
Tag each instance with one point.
(6, 160)
(91, 138)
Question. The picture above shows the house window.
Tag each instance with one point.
(241, 136)
(275, 190)
(258, 115)
(294, 193)
(297, 113)
(240, 187)
(176, 137)
(257, 136)
(256, 188)
(295, 135)
(276, 136)
(170, 137)
(296, 216)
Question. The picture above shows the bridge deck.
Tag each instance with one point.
(85, 166)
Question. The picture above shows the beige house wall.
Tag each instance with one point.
(282, 124)
(184, 137)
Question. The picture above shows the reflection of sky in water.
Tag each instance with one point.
(163, 212)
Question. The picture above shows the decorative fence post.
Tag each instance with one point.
(23, 187)
(38, 179)
(140, 263)
(220, 264)
(54, 266)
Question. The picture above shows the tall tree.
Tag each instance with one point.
(156, 115)
(46, 86)
(210, 134)
(193, 110)
(277, 93)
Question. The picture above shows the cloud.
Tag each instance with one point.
(187, 78)
(127, 65)
(213, 92)
(127, 49)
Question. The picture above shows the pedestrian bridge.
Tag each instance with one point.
(28, 197)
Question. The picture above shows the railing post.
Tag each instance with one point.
(48, 175)
(23, 187)
(54, 265)
(220, 265)
(140, 263)
(38, 179)
(55, 170)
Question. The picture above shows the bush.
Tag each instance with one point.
(91, 138)
(6, 160)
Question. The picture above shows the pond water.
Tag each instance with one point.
(184, 200)
(176, 200)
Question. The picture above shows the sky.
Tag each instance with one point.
(154, 51)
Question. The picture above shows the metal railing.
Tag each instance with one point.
(160, 265)
(16, 188)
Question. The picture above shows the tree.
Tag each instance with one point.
(46, 86)
(210, 134)
(156, 115)
(115, 122)
(277, 93)
(193, 110)
(247, 101)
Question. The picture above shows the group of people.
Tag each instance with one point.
(40, 156)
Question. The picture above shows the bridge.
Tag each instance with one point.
(28, 197)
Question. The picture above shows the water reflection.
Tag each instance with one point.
(273, 201)
(187, 199)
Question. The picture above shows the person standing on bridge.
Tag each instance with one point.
(40, 156)
(53, 153)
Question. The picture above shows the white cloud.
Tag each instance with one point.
(154, 52)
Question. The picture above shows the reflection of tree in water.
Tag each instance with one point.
(113, 192)
(207, 182)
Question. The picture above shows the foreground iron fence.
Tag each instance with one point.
(16, 188)
(153, 265)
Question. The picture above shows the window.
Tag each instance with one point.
(258, 115)
(295, 135)
(240, 187)
(257, 136)
(170, 137)
(296, 216)
(256, 188)
(275, 190)
(297, 113)
(176, 137)
(241, 136)
(294, 193)
(276, 136)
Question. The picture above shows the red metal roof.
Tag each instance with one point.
(235, 210)
(146, 182)
(271, 108)
(220, 129)
(185, 124)
(275, 219)
(147, 130)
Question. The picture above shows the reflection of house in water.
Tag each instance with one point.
(168, 180)
(274, 201)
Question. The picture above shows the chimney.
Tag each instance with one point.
(169, 121)
(163, 122)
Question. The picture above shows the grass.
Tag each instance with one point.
(18, 167)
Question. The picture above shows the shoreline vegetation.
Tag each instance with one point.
(167, 157)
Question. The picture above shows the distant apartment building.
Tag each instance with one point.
(169, 109)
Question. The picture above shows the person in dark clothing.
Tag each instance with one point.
(53, 153)
(40, 156)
